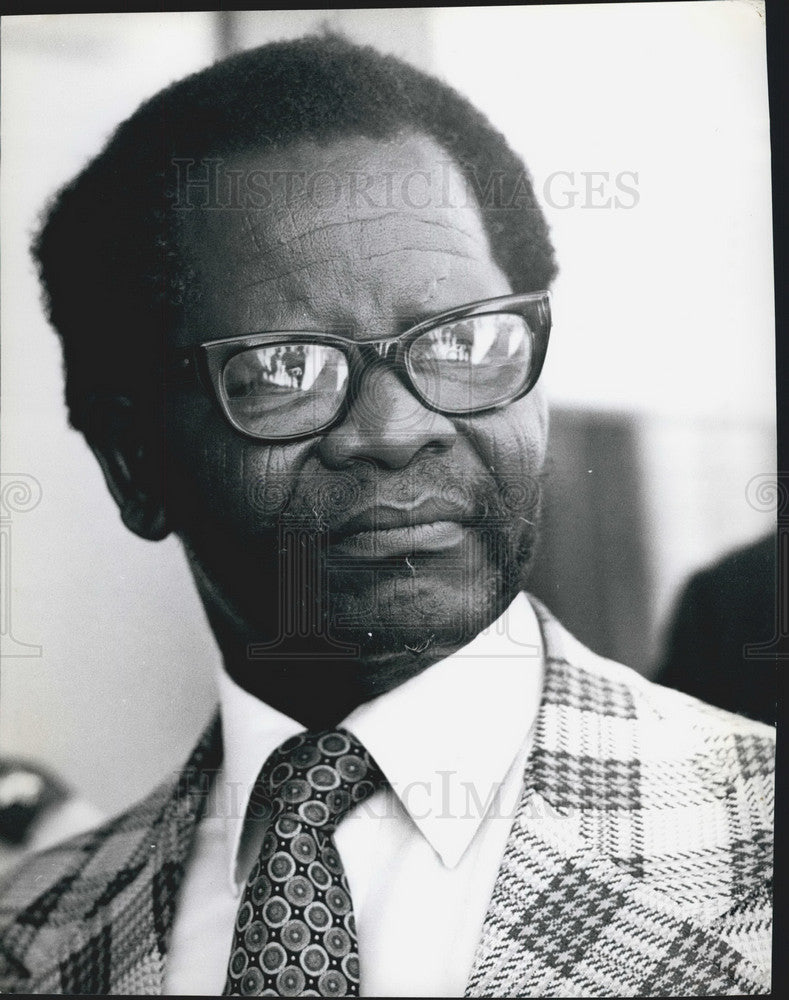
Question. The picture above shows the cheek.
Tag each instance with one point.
(217, 476)
(511, 442)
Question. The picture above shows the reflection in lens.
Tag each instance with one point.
(476, 362)
(285, 389)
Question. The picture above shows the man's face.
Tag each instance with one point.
(399, 530)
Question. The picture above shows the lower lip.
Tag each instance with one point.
(437, 536)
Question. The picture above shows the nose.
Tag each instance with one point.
(385, 424)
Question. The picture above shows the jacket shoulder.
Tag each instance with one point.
(661, 754)
(82, 862)
(642, 846)
(577, 672)
(91, 915)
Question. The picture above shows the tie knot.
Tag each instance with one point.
(319, 776)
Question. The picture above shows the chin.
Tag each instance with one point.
(419, 609)
(416, 614)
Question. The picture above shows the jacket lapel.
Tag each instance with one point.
(104, 925)
(589, 896)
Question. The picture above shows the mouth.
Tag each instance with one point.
(391, 530)
(380, 543)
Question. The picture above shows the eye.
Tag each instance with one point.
(478, 361)
(287, 388)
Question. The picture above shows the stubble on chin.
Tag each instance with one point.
(427, 605)
(284, 588)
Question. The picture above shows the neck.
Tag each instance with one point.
(316, 691)
(319, 680)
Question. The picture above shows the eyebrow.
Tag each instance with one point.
(401, 325)
(309, 320)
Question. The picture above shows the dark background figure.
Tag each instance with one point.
(293, 362)
(463, 339)
(37, 809)
(25, 794)
(275, 360)
(723, 609)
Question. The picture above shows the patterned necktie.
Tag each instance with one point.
(295, 933)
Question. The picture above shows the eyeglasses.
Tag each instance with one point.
(283, 386)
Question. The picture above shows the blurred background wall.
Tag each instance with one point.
(645, 128)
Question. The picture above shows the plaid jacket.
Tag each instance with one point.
(638, 864)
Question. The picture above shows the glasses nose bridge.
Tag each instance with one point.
(370, 354)
(379, 350)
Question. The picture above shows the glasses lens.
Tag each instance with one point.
(285, 389)
(472, 363)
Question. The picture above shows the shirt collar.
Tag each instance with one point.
(445, 739)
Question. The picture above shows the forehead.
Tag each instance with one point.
(351, 232)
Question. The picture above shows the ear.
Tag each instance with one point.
(132, 471)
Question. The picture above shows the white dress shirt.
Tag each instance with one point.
(421, 856)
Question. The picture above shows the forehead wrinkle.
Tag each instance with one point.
(424, 226)
(282, 275)
(444, 253)
(289, 307)
(362, 252)
(373, 158)
(325, 227)
(478, 238)
(332, 275)
(252, 232)
(266, 242)
(375, 289)
(359, 263)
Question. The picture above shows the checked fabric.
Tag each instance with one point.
(295, 933)
(639, 862)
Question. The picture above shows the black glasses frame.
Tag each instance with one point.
(206, 362)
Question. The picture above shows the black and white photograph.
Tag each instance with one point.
(389, 502)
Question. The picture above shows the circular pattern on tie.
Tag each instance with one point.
(287, 826)
(331, 859)
(261, 890)
(319, 875)
(323, 778)
(337, 942)
(280, 774)
(314, 813)
(268, 846)
(305, 756)
(295, 934)
(304, 848)
(295, 790)
(244, 916)
(273, 958)
(256, 936)
(239, 961)
(299, 891)
(318, 916)
(333, 744)
(281, 866)
(290, 982)
(332, 984)
(351, 767)
(276, 912)
(251, 983)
